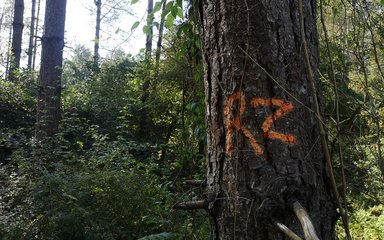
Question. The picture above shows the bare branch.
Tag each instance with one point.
(191, 205)
(287, 231)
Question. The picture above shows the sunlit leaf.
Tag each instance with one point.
(180, 13)
(134, 1)
(169, 21)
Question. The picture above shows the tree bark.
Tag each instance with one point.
(264, 152)
(17, 35)
(48, 104)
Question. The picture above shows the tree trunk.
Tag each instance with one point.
(31, 34)
(159, 44)
(148, 52)
(8, 61)
(148, 43)
(17, 35)
(264, 152)
(96, 55)
(48, 104)
(36, 32)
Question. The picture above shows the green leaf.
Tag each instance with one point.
(167, 9)
(174, 11)
(169, 6)
(179, 3)
(157, 7)
(382, 2)
(134, 1)
(180, 13)
(169, 21)
(147, 30)
(135, 25)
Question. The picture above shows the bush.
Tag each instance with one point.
(100, 195)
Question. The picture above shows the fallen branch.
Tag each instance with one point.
(305, 221)
(191, 205)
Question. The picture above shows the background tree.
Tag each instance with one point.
(263, 141)
(18, 25)
(97, 34)
(32, 34)
(49, 87)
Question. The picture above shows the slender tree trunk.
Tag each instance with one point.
(9, 54)
(1, 21)
(31, 34)
(144, 118)
(148, 43)
(17, 35)
(159, 44)
(96, 56)
(48, 104)
(264, 154)
(36, 32)
(148, 52)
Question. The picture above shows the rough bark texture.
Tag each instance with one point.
(49, 88)
(263, 143)
(17, 35)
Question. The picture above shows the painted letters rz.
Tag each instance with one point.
(235, 121)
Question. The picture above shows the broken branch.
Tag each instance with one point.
(305, 221)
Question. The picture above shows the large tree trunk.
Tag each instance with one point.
(48, 104)
(264, 152)
(18, 26)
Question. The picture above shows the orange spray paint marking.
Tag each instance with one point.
(236, 123)
(285, 108)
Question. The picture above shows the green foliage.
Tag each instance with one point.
(160, 236)
(100, 195)
(99, 179)
(367, 223)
